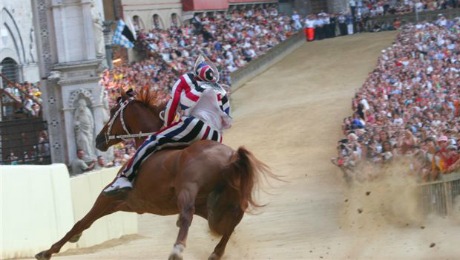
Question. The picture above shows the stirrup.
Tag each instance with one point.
(121, 184)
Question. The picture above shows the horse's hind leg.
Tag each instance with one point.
(226, 226)
(103, 206)
(186, 204)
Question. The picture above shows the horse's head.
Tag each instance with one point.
(132, 117)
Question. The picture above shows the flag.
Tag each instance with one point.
(123, 35)
(130, 25)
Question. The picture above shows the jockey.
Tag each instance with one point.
(205, 111)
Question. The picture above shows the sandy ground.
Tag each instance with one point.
(290, 117)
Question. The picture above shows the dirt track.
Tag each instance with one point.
(290, 117)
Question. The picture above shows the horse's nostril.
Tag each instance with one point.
(100, 141)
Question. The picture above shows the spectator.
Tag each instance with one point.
(442, 154)
(296, 19)
(407, 143)
(100, 164)
(387, 152)
(452, 156)
(341, 19)
(428, 160)
(79, 165)
(396, 24)
(43, 146)
(12, 158)
(119, 158)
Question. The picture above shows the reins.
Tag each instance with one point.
(128, 135)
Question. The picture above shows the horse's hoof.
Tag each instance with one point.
(75, 238)
(42, 256)
(175, 257)
(176, 254)
(214, 256)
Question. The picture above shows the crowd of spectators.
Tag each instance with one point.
(27, 95)
(153, 73)
(408, 109)
(31, 147)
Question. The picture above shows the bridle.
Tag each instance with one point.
(128, 135)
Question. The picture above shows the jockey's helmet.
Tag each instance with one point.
(205, 70)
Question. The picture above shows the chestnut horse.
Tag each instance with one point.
(207, 179)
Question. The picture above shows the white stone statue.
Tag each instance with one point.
(105, 106)
(84, 128)
(98, 33)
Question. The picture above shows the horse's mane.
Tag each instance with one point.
(151, 98)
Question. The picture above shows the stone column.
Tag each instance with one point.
(70, 71)
(1, 81)
(52, 113)
(46, 50)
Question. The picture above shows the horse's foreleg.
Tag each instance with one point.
(102, 207)
(186, 204)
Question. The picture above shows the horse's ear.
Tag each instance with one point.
(130, 92)
(123, 94)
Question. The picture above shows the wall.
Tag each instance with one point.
(39, 205)
(201, 5)
(146, 9)
(260, 64)
(85, 189)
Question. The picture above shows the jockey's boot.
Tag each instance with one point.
(120, 184)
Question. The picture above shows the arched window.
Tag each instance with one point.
(157, 23)
(137, 23)
(9, 70)
(175, 20)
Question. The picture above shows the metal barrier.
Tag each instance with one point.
(440, 197)
(24, 141)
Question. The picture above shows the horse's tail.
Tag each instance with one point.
(227, 204)
(244, 176)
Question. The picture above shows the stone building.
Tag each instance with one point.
(18, 52)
